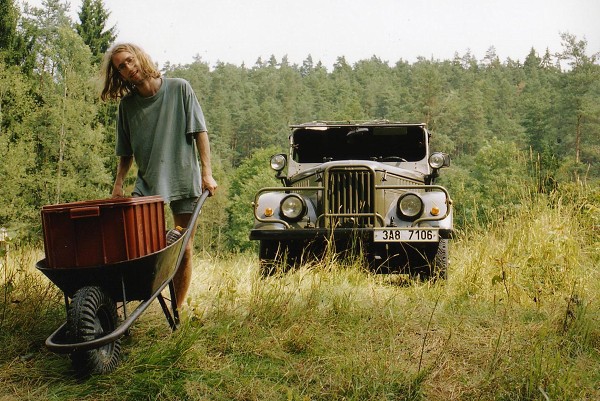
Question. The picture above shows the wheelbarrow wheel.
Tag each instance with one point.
(92, 314)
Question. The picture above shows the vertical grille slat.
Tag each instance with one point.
(350, 194)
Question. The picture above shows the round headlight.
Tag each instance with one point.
(437, 160)
(410, 206)
(292, 207)
(278, 162)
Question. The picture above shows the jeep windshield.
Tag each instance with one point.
(318, 144)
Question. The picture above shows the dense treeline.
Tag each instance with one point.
(511, 126)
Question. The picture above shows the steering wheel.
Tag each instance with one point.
(392, 159)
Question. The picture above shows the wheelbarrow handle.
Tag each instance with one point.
(192, 224)
(205, 194)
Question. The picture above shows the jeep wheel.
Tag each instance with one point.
(438, 267)
(267, 257)
(440, 262)
(277, 256)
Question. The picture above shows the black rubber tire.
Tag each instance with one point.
(267, 257)
(91, 314)
(274, 257)
(278, 256)
(437, 268)
(440, 262)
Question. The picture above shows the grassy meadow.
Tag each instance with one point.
(517, 319)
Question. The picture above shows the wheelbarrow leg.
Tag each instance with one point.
(172, 318)
(124, 293)
(174, 307)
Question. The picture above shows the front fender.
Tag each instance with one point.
(267, 211)
(437, 198)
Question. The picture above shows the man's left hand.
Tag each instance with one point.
(209, 183)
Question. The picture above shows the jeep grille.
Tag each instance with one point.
(349, 197)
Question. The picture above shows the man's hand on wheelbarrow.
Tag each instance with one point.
(125, 163)
(209, 183)
(118, 191)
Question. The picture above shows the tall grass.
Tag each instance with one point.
(517, 319)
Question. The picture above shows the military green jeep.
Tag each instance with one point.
(363, 187)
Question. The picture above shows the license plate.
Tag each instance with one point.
(406, 235)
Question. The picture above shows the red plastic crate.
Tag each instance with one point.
(98, 232)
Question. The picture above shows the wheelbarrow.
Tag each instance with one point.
(92, 331)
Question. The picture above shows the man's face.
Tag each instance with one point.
(127, 65)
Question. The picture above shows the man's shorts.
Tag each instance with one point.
(183, 206)
(180, 206)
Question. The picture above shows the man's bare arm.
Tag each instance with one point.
(125, 163)
(208, 182)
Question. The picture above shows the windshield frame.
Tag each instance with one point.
(319, 144)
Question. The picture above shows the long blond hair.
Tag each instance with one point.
(115, 87)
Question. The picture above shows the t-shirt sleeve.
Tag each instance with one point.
(194, 116)
(123, 142)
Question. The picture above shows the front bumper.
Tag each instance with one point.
(324, 233)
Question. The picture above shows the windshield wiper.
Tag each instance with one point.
(358, 131)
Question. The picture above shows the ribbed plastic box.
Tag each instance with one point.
(99, 232)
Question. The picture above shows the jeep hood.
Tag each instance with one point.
(373, 165)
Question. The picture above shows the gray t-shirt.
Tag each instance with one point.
(157, 131)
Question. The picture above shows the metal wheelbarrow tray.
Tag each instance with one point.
(141, 279)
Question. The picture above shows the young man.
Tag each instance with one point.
(161, 126)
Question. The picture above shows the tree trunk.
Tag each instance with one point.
(578, 137)
(61, 147)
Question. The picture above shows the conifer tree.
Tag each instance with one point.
(93, 19)
(13, 44)
(8, 24)
(581, 94)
